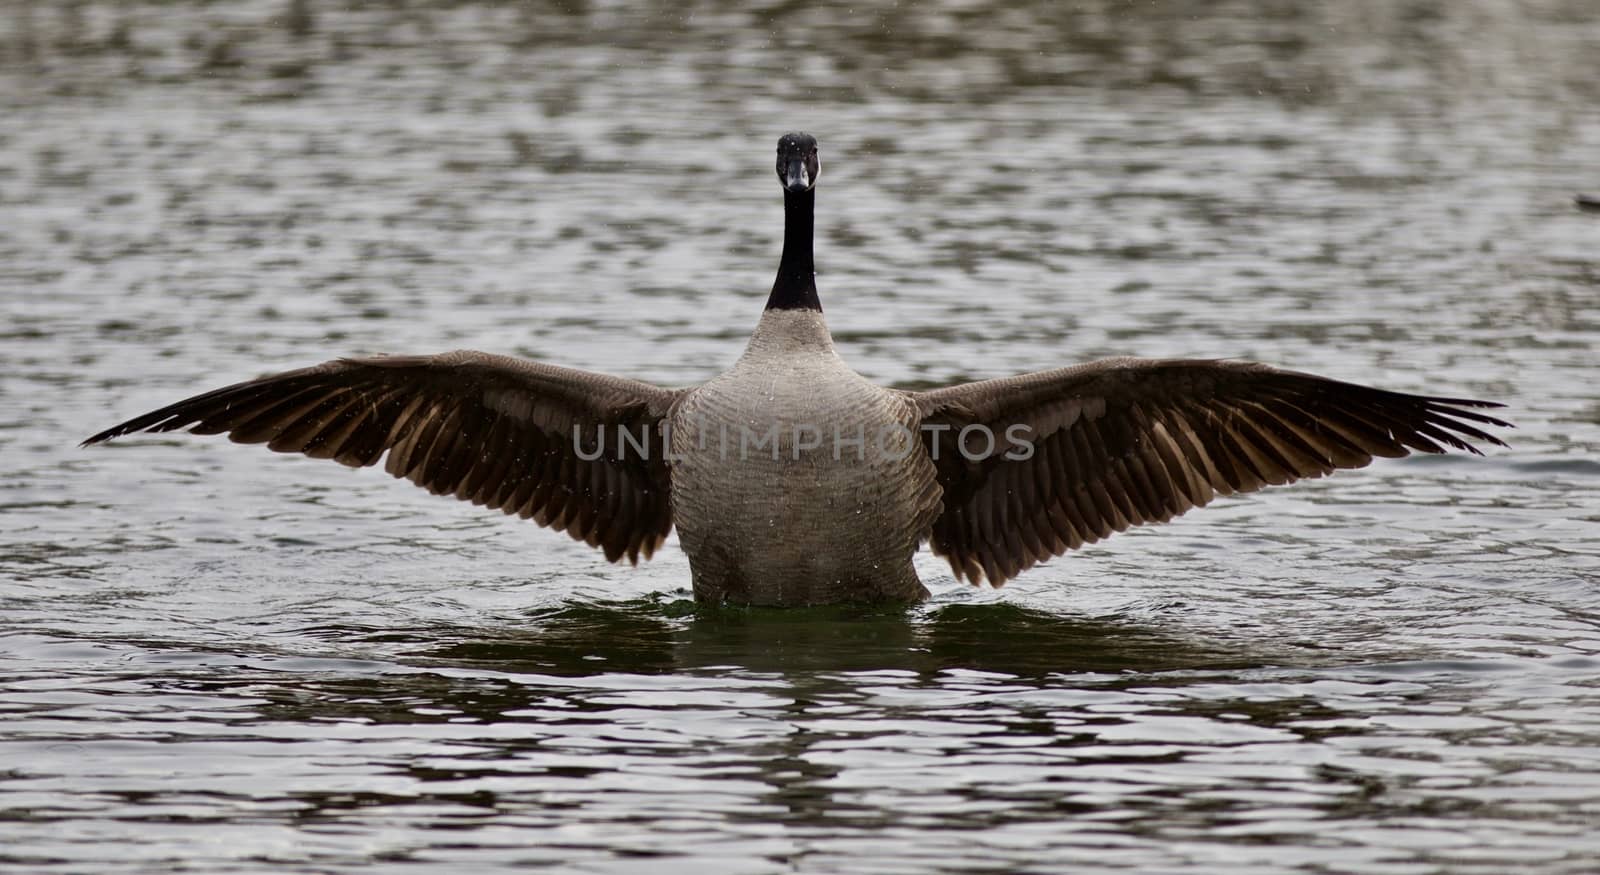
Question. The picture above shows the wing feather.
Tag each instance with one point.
(1125, 442)
(487, 429)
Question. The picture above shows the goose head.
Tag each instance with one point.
(798, 164)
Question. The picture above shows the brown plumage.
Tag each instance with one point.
(1007, 473)
(1125, 442)
(488, 429)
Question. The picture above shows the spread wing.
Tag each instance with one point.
(492, 430)
(1123, 442)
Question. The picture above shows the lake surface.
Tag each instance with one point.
(216, 659)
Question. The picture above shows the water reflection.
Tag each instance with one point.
(649, 637)
(1202, 760)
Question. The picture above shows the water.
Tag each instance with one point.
(216, 659)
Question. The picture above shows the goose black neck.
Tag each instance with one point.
(796, 285)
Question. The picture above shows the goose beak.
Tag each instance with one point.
(795, 176)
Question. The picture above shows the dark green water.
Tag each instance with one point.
(213, 659)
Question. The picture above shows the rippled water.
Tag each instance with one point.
(217, 659)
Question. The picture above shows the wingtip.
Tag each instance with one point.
(119, 430)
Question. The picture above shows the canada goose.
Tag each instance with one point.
(793, 480)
